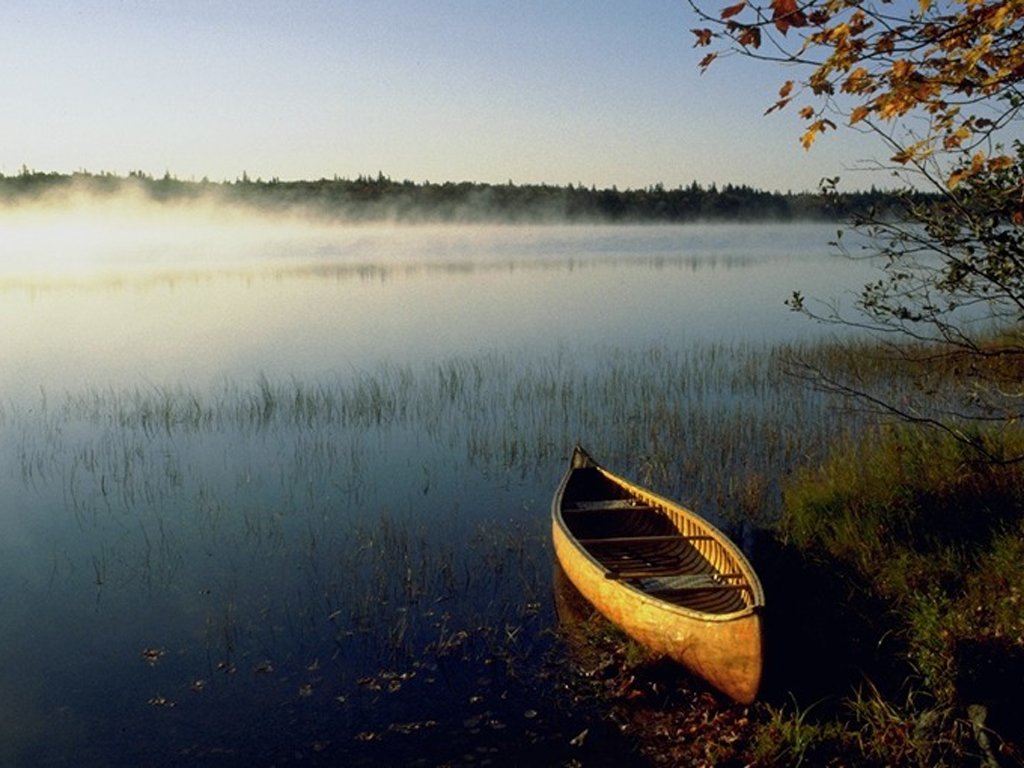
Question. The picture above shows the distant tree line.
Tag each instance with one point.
(369, 198)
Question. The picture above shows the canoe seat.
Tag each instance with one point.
(681, 578)
(640, 539)
(710, 598)
(663, 586)
(607, 505)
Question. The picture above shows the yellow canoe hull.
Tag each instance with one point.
(667, 577)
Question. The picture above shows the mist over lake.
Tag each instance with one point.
(176, 300)
(280, 491)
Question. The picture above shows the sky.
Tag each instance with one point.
(533, 91)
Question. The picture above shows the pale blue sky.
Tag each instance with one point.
(557, 91)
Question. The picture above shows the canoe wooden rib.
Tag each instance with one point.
(664, 575)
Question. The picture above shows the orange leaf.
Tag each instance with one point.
(706, 61)
(703, 37)
(786, 14)
(732, 10)
(750, 37)
(786, 89)
(859, 113)
(1000, 163)
(905, 155)
(818, 126)
(955, 178)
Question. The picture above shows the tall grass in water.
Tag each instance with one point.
(708, 422)
(388, 518)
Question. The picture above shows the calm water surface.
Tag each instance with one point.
(280, 494)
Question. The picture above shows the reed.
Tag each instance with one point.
(393, 519)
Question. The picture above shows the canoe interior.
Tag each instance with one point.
(662, 550)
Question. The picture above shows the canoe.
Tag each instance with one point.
(668, 578)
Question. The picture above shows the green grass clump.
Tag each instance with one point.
(907, 510)
(790, 736)
(912, 521)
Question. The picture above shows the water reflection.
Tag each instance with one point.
(298, 509)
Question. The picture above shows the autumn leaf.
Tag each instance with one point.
(732, 10)
(885, 45)
(818, 126)
(957, 138)
(703, 37)
(859, 113)
(917, 151)
(956, 177)
(786, 14)
(1000, 163)
(901, 69)
(706, 61)
(750, 37)
(858, 81)
(786, 89)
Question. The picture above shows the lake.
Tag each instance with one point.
(278, 492)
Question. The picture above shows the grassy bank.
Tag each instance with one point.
(923, 546)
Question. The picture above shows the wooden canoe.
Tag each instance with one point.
(667, 577)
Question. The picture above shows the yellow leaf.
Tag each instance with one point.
(857, 81)
(924, 5)
(955, 178)
(957, 138)
(998, 18)
(859, 113)
(901, 69)
(1000, 163)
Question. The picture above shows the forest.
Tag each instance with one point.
(374, 198)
